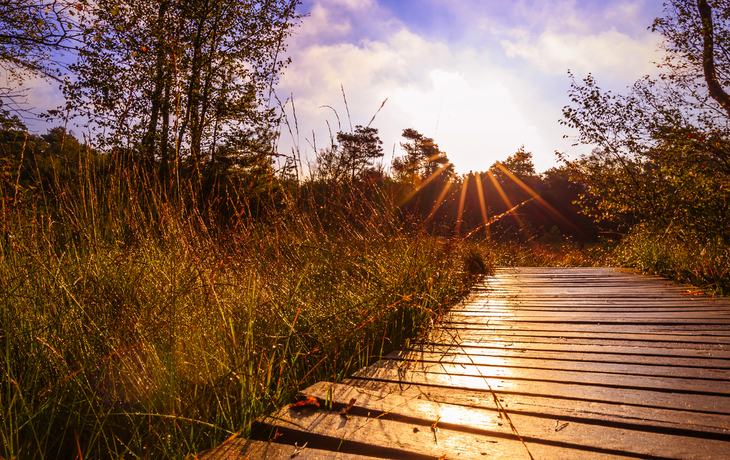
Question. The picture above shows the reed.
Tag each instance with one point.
(136, 323)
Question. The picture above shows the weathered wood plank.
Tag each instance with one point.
(517, 341)
(596, 366)
(664, 383)
(460, 404)
(649, 360)
(251, 449)
(685, 337)
(476, 342)
(640, 394)
(539, 432)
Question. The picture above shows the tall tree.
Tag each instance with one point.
(358, 150)
(423, 160)
(177, 79)
(520, 164)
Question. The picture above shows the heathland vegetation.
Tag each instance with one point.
(171, 276)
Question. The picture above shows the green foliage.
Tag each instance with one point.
(423, 160)
(352, 159)
(682, 254)
(177, 80)
(32, 33)
(663, 154)
(520, 164)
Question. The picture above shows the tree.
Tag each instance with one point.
(520, 164)
(663, 149)
(32, 34)
(423, 160)
(358, 150)
(175, 80)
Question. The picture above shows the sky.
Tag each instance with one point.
(480, 77)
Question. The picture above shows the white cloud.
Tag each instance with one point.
(609, 53)
(500, 83)
(457, 97)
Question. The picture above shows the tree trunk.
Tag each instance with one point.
(708, 58)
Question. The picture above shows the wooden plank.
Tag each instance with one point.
(629, 394)
(599, 326)
(696, 361)
(581, 348)
(597, 366)
(251, 449)
(588, 314)
(388, 438)
(459, 404)
(518, 341)
(585, 437)
(627, 336)
(491, 308)
(659, 383)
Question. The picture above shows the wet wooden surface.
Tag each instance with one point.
(541, 363)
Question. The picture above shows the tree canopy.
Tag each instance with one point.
(178, 79)
(663, 149)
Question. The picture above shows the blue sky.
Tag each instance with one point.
(480, 77)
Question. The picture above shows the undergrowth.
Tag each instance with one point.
(681, 254)
(550, 254)
(132, 326)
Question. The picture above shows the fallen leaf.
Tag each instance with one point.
(307, 401)
(344, 413)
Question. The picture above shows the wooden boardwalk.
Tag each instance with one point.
(542, 363)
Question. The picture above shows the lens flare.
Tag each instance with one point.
(540, 199)
(462, 200)
(505, 198)
(480, 191)
(424, 183)
(438, 201)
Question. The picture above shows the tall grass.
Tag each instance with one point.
(132, 325)
(682, 254)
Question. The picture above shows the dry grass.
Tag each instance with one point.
(133, 327)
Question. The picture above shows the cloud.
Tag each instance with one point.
(610, 53)
(455, 96)
(481, 78)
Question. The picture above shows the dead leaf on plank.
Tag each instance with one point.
(344, 413)
(307, 401)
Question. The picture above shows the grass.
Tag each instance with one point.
(680, 254)
(550, 254)
(134, 327)
(137, 322)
